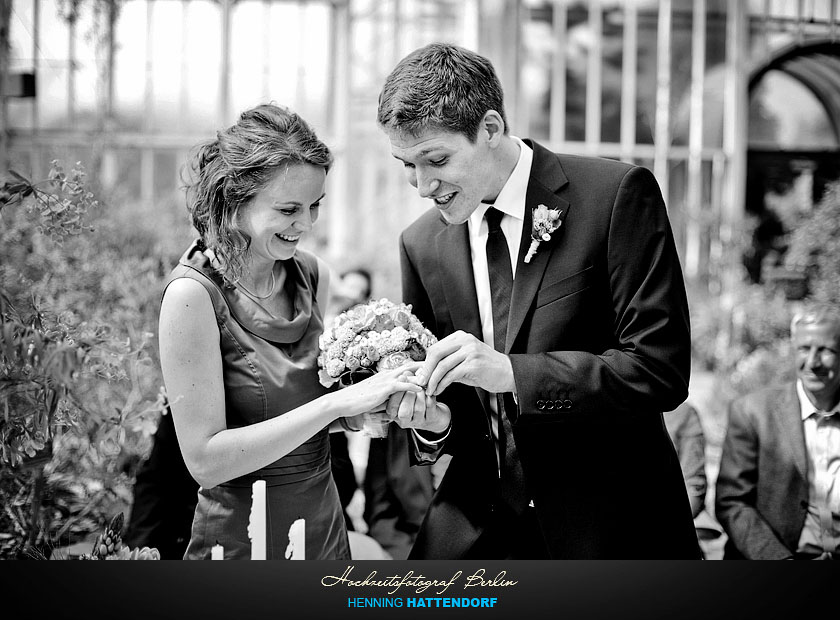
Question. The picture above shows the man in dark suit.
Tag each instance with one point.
(778, 488)
(553, 367)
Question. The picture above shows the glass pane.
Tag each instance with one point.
(130, 65)
(53, 65)
(535, 79)
(202, 63)
(280, 53)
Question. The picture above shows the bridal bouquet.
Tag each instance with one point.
(378, 335)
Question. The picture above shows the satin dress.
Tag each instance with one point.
(270, 367)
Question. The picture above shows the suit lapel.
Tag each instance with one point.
(546, 178)
(453, 246)
(790, 419)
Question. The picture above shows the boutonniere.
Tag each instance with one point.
(545, 222)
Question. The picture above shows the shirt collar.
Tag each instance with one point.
(511, 200)
(807, 408)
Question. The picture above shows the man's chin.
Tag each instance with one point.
(815, 386)
(454, 216)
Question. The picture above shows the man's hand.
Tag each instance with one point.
(463, 358)
(418, 411)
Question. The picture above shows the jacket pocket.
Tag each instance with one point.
(566, 286)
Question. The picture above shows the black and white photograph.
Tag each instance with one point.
(450, 296)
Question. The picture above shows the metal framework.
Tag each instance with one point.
(701, 169)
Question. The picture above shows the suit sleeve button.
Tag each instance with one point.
(567, 404)
(558, 404)
(549, 404)
(540, 404)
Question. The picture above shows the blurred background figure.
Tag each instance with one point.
(164, 498)
(778, 489)
(686, 431)
(356, 285)
(684, 428)
(352, 287)
(397, 495)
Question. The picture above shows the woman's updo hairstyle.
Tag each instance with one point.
(226, 173)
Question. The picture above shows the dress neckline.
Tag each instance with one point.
(252, 315)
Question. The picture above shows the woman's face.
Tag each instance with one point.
(283, 211)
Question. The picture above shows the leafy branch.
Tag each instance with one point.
(61, 208)
(73, 390)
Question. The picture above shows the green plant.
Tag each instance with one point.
(79, 391)
(815, 247)
(110, 546)
(745, 348)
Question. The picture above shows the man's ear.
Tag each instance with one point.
(492, 127)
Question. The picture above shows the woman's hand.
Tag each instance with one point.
(372, 393)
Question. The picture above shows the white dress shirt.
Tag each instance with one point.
(821, 533)
(511, 202)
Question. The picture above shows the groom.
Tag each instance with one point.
(555, 368)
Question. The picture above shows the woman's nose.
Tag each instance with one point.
(303, 221)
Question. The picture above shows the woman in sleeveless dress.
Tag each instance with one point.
(239, 324)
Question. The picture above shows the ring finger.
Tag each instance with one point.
(406, 409)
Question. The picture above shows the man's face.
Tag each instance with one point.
(817, 349)
(446, 167)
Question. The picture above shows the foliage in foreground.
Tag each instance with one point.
(79, 389)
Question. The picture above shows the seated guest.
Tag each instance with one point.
(778, 490)
(684, 428)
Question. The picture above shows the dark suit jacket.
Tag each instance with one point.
(761, 496)
(598, 337)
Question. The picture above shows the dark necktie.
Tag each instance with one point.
(501, 286)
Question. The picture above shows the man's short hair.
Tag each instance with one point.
(440, 86)
(816, 313)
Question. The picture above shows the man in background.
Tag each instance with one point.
(778, 489)
(685, 430)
